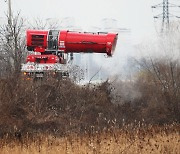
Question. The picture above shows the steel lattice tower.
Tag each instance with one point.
(165, 21)
(166, 15)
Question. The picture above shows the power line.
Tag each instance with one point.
(165, 15)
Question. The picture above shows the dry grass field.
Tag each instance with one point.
(130, 140)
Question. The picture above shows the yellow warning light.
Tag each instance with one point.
(28, 78)
(24, 73)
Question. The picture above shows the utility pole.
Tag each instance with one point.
(165, 15)
(9, 12)
(9, 35)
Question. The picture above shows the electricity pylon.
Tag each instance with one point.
(165, 15)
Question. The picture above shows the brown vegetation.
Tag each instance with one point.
(60, 106)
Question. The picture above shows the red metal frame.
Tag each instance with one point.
(43, 59)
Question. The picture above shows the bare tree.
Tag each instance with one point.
(163, 78)
(160, 72)
(43, 24)
(76, 73)
(12, 48)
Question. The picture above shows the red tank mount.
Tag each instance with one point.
(71, 42)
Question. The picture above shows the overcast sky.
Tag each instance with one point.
(134, 14)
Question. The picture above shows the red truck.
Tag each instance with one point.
(53, 50)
